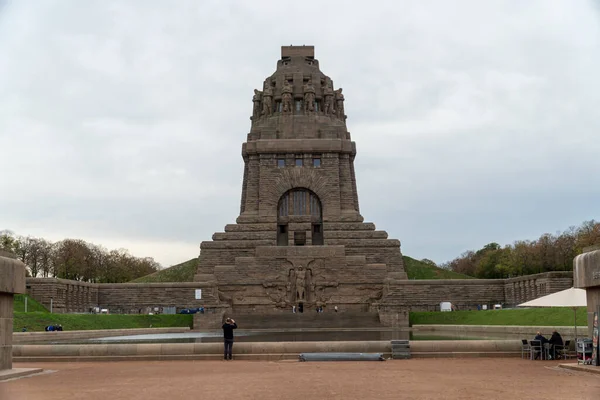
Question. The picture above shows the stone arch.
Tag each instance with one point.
(299, 205)
(292, 178)
(300, 202)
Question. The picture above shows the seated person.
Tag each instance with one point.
(542, 341)
(555, 340)
(541, 338)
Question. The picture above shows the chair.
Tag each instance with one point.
(536, 348)
(525, 348)
(562, 351)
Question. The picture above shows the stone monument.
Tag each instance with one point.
(300, 242)
(12, 280)
(586, 275)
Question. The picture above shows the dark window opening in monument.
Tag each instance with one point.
(281, 162)
(279, 106)
(299, 203)
(299, 238)
(282, 235)
(316, 162)
(301, 307)
(298, 105)
(298, 162)
(283, 207)
(317, 235)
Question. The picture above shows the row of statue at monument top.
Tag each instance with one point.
(333, 100)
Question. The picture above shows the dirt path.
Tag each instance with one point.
(483, 378)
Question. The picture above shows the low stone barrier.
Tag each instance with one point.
(527, 332)
(465, 348)
(258, 350)
(31, 337)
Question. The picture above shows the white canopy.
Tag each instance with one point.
(571, 297)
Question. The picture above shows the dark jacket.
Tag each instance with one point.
(556, 339)
(228, 331)
(541, 338)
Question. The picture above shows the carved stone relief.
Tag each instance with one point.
(339, 104)
(332, 105)
(267, 100)
(256, 99)
(328, 102)
(286, 98)
(309, 97)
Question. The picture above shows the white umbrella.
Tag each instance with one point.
(571, 297)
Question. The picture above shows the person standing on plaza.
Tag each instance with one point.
(228, 328)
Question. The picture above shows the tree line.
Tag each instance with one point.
(76, 259)
(523, 257)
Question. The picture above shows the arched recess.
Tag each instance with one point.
(291, 178)
(301, 205)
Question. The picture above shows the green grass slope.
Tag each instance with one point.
(32, 305)
(523, 317)
(416, 269)
(35, 322)
(183, 272)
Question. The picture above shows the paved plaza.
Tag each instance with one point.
(484, 378)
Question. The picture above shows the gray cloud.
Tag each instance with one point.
(122, 122)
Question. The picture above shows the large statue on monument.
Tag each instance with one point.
(300, 241)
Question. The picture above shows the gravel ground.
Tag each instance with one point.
(483, 378)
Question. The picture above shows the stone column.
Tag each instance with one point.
(252, 187)
(346, 192)
(12, 280)
(586, 275)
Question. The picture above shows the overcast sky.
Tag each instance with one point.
(121, 122)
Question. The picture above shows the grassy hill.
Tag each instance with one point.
(416, 269)
(558, 316)
(35, 322)
(32, 305)
(185, 272)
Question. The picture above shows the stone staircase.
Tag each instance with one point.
(400, 349)
(307, 319)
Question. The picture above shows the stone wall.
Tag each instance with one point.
(63, 296)
(529, 287)
(412, 295)
(134, 298)
(12, 280)
(426, 295)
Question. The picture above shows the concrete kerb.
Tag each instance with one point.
(581, 368)
(259, 350)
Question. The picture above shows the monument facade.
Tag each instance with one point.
(300, 240)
